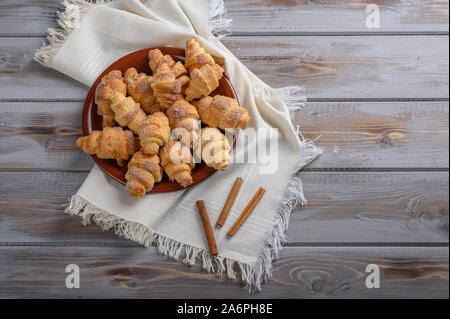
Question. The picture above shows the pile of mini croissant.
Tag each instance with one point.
(155, 120)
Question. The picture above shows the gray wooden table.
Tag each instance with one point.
(378, 99)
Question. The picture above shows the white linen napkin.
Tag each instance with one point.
(94, 35)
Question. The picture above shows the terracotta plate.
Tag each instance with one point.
(92, 121)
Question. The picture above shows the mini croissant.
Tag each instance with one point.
(154, 132)
(196, 57)
(127, 112)
(213, 148)
(140, 89)
(222, 112)
(203, 81)
(111, 143)
(177, 162)
(184, 121)
(111, 83)
(143, 172)
(165, 86)
(156, 58)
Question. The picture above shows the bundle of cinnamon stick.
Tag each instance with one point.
(209, 233)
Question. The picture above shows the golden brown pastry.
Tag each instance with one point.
(177, 162)
(165, 86)
(213, 148)
(156, 58)
(184, 83)
(196, 57)
(140, 89)
(154, 132)
(222, 112)
(143, 172)
(127, 112)
(111, 143)
(111, 83)
(184, 121)
(203, 81)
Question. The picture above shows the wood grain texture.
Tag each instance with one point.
(342, 207)
(33, 17)
(42, 135)
(26, 79)
(331, 16)
(377, 134)
(349, 67)
(372, 207)
(337, 67)
(301, 272)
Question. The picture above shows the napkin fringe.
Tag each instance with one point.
(219, 22)
(143, 235)
(69, 19)
(293, 96)
(74, 11)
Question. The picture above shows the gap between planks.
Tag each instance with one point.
(284, 34)
(291, 244)
(345, 34)
(312, 100)
(304, 170)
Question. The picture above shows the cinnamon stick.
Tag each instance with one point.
(229, 203)
(246, 212)
(207, 227)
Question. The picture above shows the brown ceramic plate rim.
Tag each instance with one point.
(199, 173)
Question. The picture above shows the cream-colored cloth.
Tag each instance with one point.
(92, 38)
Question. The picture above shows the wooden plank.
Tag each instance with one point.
(378, 134)
(380, 207)
(40, 215)
(301, 272)
(348, 207)
(24, 78)
(350, 67)
(33, 17)
(41, 135)
(27, 17)
(377, 67)
(332, 16)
